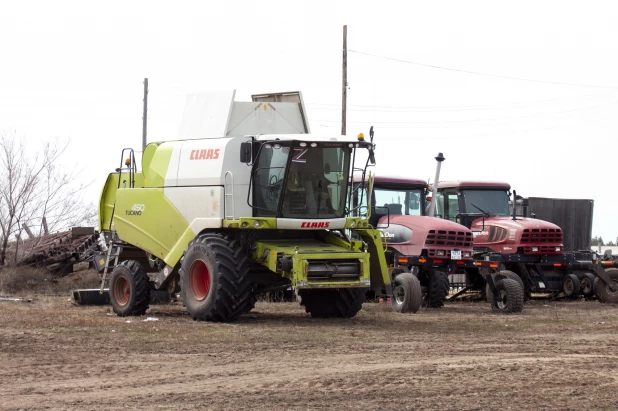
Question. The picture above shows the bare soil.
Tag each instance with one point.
(554, 356)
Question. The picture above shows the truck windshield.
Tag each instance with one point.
(493, 202)
(302, 182)
(404, 202)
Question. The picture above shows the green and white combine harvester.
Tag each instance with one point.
(245, 202)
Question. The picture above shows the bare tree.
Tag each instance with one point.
(35, 192)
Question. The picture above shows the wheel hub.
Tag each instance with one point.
(122, 291)
(199, 280)
(399, 294)
(502, 299)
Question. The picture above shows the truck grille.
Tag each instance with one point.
(449, 238)
(543, 249)
(542, 235)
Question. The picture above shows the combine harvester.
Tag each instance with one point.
(245, 202)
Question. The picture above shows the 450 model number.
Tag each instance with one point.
(137, 209)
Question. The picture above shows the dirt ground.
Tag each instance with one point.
(554, 356)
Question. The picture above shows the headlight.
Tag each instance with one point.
(256, 223)
(467, 254)
(535, 249)
(441, 252)
(557, 248)
(352, 223)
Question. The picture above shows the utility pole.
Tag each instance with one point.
(145, 115)
(344, 91)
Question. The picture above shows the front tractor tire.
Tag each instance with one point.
(509, 297)
(333, 303)
(129, 289)
(407, 295)
(602, 290)
(500, 275)
(214, 278)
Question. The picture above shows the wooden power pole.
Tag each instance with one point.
(145, 115)
(344, 91)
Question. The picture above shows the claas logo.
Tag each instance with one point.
(210, 154)
(309, 224)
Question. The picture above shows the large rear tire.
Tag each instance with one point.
(438, 289)
(602, 290)
(407, 295)
(331, 303)
(509, 297)
(129, 289)
(214, 278)
(571, 286)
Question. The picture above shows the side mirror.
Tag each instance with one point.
(245, 153)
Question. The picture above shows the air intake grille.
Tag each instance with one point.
(449, 238)
(542, 235)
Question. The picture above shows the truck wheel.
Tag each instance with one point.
(509, 297)
(602, 290)
(571, 286)
(341, 303)
(129, 289)
(500, 276)
(407, 295)
(438, 289)
(587, 285)
(214, 279)
(526, 279)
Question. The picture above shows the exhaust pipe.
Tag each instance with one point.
(432, 205)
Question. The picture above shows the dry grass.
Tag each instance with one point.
(35, 281)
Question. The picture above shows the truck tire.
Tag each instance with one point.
(214, 279)
(341, 303)
(129, 289)
(570, 286)
(602, 290)
(509, 297)
(526, 278)
(587, 285)
(502, 275)
(407, 295)
(438, 289)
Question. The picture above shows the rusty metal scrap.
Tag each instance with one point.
(60, 249)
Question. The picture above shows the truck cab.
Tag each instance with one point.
(430, 248)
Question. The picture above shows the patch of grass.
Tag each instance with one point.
(37, 281)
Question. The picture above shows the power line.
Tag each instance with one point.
(429, 109)
(478, 73)
(490, 121)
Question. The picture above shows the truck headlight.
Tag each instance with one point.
(467, 254)
(441, 253)
(535, 249)
(557, 248)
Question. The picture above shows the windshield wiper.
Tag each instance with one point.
(485, 213)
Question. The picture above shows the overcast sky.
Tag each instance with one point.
(524, 92)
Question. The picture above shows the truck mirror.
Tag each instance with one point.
(245, 152)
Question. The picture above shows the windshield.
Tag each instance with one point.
(405, 202)
(493, 202)
(391, 201)
(301, 182)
